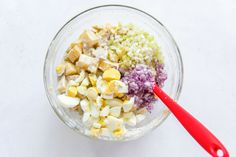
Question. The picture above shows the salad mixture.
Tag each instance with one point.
(107, 77)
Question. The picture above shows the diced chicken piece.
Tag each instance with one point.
(93, 68)
(84, 61)
(72, 91)
(82, 90)
(92, 93)
(115, 111)
(100, 53)
(72, 77)
(105, 65)
(105, 111)
(92, 79)
(114, 102)
(60, 69)
(89, 37)
(62, 85)
(68, 102)
(77, 43)
(88, 63)
(111, 74)
(85, 106)
(70, 69)
(114, 123)
(85, 82)
(74, 53)
(128, 104)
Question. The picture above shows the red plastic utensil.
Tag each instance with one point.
(199, 132)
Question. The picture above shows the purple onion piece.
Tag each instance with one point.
(140, 81)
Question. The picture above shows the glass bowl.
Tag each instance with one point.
(114, 14)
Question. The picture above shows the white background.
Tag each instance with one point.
(205, 32)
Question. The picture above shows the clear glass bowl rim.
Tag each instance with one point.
(179, 58)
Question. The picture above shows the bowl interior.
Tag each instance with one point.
(114, 14)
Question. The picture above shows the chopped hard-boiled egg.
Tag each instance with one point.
(121, 87)
(88, 120)
(105, 111)
(68, 102)
(99, 102)
(72, 83)
(105, 132)
(60, 69)
(113, 123)
(82, 90)
(95, 132)
(114, 102)
(101, 85)
(61, 87)
(85, 82)
(70, 69)
(115, 111)
(85, 106)
(130, 118)
(81, 76)
(86, 117)
(101, 121)
(72, 91)
(111, 88)
(94, 111)
(92, 93)
(118, 132)
(107, 96)
(111, 74)
(117, 87)
(128, 104)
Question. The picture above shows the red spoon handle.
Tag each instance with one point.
(199, 132)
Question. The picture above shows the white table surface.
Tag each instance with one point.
(205, 32)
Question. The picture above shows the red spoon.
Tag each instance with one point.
(198, 131)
